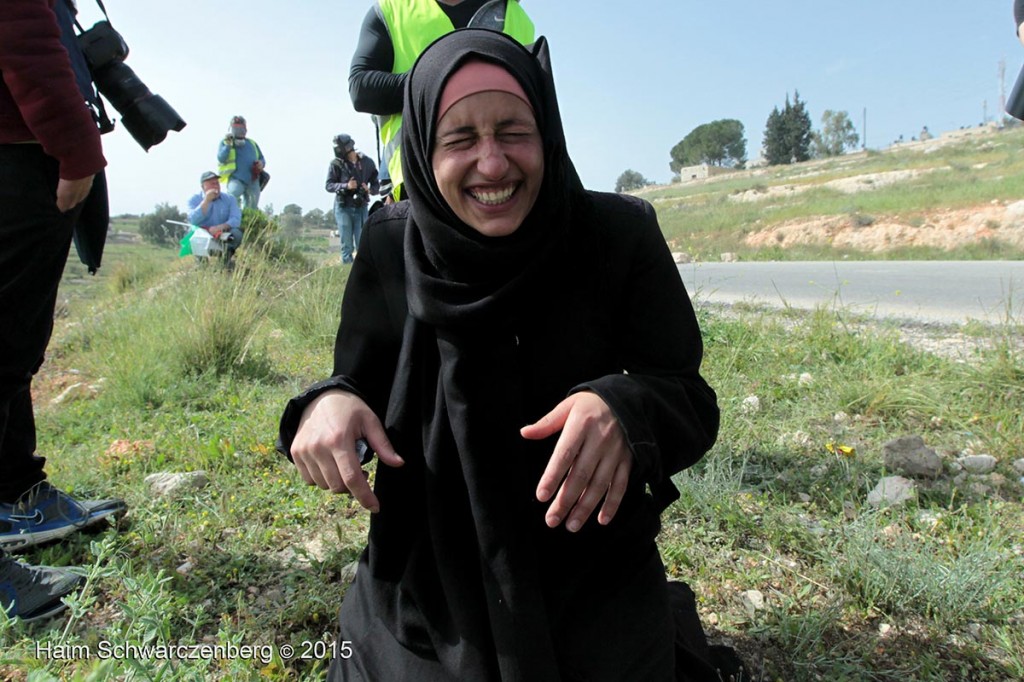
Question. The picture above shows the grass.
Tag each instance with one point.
(192, 366)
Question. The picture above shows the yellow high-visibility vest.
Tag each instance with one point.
(413, 25)
(228, 167)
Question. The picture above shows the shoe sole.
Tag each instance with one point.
(23, 540)
(50, 612)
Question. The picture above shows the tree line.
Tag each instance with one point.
(788, 138)
(163, 225)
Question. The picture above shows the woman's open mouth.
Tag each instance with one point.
(493, 197)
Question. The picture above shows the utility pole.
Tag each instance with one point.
(1003, 84)
(864, 130)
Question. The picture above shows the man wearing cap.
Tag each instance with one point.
(218, 213)
(352, 178)
(241, 163)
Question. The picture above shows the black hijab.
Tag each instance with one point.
(458, 394)
(457, 274)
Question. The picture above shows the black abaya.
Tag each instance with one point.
(456, 340)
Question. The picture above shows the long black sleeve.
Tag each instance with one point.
(667, 411)
(371, 85)
(1018, 14)
(374, 89)
(370, 333)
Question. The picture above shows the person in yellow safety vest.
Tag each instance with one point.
(241, 164)
(393, 35)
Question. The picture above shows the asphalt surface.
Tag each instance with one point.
(947, 292)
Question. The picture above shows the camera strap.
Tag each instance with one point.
(74, 13)
(78, 62)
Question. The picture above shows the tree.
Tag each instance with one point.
(787, 134)
(292, 209)
(630, 180)
(314, 218)
(719, 143)
(837, 134)
(155, 229)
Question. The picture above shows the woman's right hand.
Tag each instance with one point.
(324, 449)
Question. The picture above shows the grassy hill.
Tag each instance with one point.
(164, 365)
(952, 197)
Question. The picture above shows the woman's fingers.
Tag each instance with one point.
(590, 462)
(324, 448)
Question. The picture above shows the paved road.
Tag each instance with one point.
(927, 291)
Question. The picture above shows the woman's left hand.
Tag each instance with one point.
(590, 462)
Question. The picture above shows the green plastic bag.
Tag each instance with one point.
(186, 243)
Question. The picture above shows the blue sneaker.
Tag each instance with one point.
(47, 513)
(33, 593)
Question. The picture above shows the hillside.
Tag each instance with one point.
(958, 196)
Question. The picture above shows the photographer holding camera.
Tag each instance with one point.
(241, 164)
(352, 178)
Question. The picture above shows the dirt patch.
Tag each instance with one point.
(946, 229)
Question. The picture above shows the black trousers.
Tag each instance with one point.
(34, 241)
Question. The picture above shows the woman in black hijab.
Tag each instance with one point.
(503, 294)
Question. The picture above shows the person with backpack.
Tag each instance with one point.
(51, 167)
(241, 164)
(352, 178)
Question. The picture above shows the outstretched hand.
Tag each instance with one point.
(324, 448)
(590, 463)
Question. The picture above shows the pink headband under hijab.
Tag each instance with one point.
(478, 76)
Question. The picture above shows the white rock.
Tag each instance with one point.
(803, 497)
(681, 257)
(185, 568)
(806, 379)
(729, 257)
(978, 464)
(751, 405)
(841, 418)
(884, 629)
(892, 490)
(168, 484)
(1018, 466)
(753, 601)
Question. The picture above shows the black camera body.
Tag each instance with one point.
(357, 198)
(147, 117)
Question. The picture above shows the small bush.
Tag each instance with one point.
(155, 229)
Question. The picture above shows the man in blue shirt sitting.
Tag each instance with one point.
(218, 213)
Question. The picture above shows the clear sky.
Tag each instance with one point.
(633, 78)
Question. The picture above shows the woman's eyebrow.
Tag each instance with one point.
(461, 130)
(470, 129)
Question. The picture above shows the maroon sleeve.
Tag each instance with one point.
(47, 104)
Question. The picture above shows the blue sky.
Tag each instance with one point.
(633, 78)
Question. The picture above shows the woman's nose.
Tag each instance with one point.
(492, 161)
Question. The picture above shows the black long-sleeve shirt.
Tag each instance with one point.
(371, 85)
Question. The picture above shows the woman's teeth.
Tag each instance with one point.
(493, 198)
